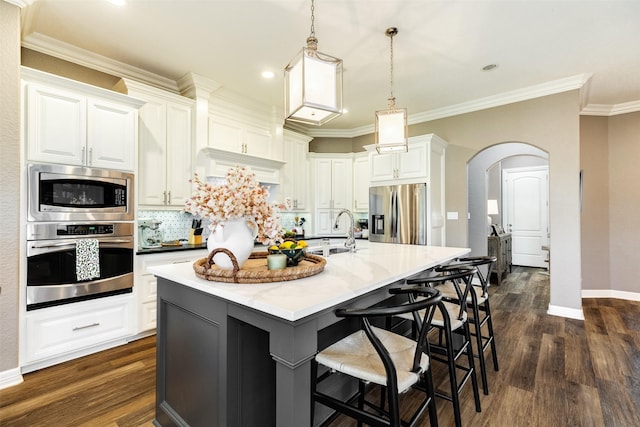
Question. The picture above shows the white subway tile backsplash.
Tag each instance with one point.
(175, 224)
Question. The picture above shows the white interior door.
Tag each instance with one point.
(526, 213)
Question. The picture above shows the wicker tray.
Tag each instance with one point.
(255, 269)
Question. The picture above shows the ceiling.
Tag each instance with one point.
(540, 47)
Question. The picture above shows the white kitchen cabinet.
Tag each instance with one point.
(145, 283)
(410, 165)
(72, 123)
(333, 182)
(361, 182)
(67, 331)
(239, 137)
(111, 139)
(166, 141)
(333, 190)
(295, 173)
(47, 139)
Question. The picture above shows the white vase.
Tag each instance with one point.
(236, 236)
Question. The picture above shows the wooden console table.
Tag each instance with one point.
(500, 247)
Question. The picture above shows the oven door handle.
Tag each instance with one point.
(62, 244)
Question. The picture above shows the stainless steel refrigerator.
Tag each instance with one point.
(399, 214)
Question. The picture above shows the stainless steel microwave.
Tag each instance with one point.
(74, 193)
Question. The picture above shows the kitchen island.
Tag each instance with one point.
(239, 354)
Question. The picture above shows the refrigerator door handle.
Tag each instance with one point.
(390, 213)
(394, 214)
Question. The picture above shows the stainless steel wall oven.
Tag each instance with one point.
(55, 273)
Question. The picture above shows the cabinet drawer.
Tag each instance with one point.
(171, 258)
(58, 330)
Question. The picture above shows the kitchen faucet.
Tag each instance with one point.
(350, 243)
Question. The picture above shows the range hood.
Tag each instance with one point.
(217, 162)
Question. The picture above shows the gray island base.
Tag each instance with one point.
(239, 354)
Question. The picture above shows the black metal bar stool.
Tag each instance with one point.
(377, 356)
(478, 302)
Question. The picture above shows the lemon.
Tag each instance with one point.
(302, 244)
(286, 245)
(273, 248)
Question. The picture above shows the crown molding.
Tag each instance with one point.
(188, 85)
(20, 3)
(505, 98)
(195, 86)
(610, 110)
(340, 133)
(531, 92)
(33, 75)
(68, 52)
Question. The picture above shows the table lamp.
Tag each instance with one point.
(492, 209)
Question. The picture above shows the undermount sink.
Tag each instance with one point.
(331, 251)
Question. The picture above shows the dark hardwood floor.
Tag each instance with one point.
(553, 372)
(115, 387)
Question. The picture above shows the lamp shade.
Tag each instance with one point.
(391, 130)
(492, 207)
(313, 87)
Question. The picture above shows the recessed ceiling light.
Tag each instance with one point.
(489, 67)
(268, 74)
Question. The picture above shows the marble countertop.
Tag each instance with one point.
(345, 276)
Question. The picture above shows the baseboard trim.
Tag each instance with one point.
(610, 293)
(10, 377)
(571, 313)
(60, 358)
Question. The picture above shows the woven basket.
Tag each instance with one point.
(255, 269)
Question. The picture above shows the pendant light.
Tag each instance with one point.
(313, 84)
(391, 124)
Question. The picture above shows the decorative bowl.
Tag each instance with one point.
(294, 256)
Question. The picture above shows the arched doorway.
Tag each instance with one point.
(477, 187)
(561, 284)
